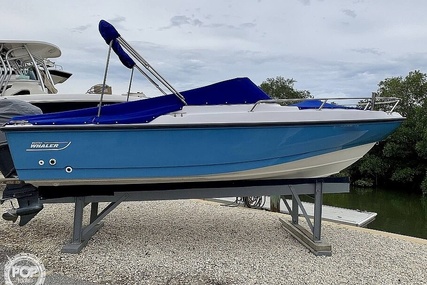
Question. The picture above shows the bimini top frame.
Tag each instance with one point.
(116, 42)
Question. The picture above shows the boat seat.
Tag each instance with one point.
(22, 86)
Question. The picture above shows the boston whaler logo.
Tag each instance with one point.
(42, 146)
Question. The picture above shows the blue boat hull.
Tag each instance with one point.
(73, 155)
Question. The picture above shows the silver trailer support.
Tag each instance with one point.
(81, 235)
(290, 187)
(311, 239)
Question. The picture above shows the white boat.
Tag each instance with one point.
(27, 72)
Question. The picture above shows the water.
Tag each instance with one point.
(398, 212)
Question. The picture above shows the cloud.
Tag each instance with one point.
(330, 47)
(119, 22)
(247, 25)
(349, 13)
(305, 2)
(368, 51)
(81, 29)
(181, 20)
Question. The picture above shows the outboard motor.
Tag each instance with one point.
(26, 194)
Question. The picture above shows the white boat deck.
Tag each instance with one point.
(329, 213)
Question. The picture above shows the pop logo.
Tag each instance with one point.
(24, 268)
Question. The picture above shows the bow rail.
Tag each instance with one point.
(364, 103)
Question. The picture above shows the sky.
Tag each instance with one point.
(332, 48)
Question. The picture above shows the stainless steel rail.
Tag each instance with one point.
(365, 103)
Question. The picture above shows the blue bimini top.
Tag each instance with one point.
(233, 91)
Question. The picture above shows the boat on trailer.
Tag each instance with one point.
(228, 131)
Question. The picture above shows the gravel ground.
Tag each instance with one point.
(200, 242)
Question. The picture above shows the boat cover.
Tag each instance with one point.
(316, 104)
(10, 108)
(233, 91)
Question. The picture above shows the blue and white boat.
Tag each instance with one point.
(226, 131)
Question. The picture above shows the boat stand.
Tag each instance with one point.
(310, 239)
(148, 192)
(82, 235)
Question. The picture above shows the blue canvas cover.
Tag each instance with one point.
(233, 91)
(316, 104)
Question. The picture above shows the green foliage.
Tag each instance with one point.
(363, 183)
(281, 88)
(424, 185)
(403, 175)
(411, 90)
(373, 166)
(401, 160)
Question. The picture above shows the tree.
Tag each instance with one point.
(403, 155)
(281, 88)
(411, 90)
